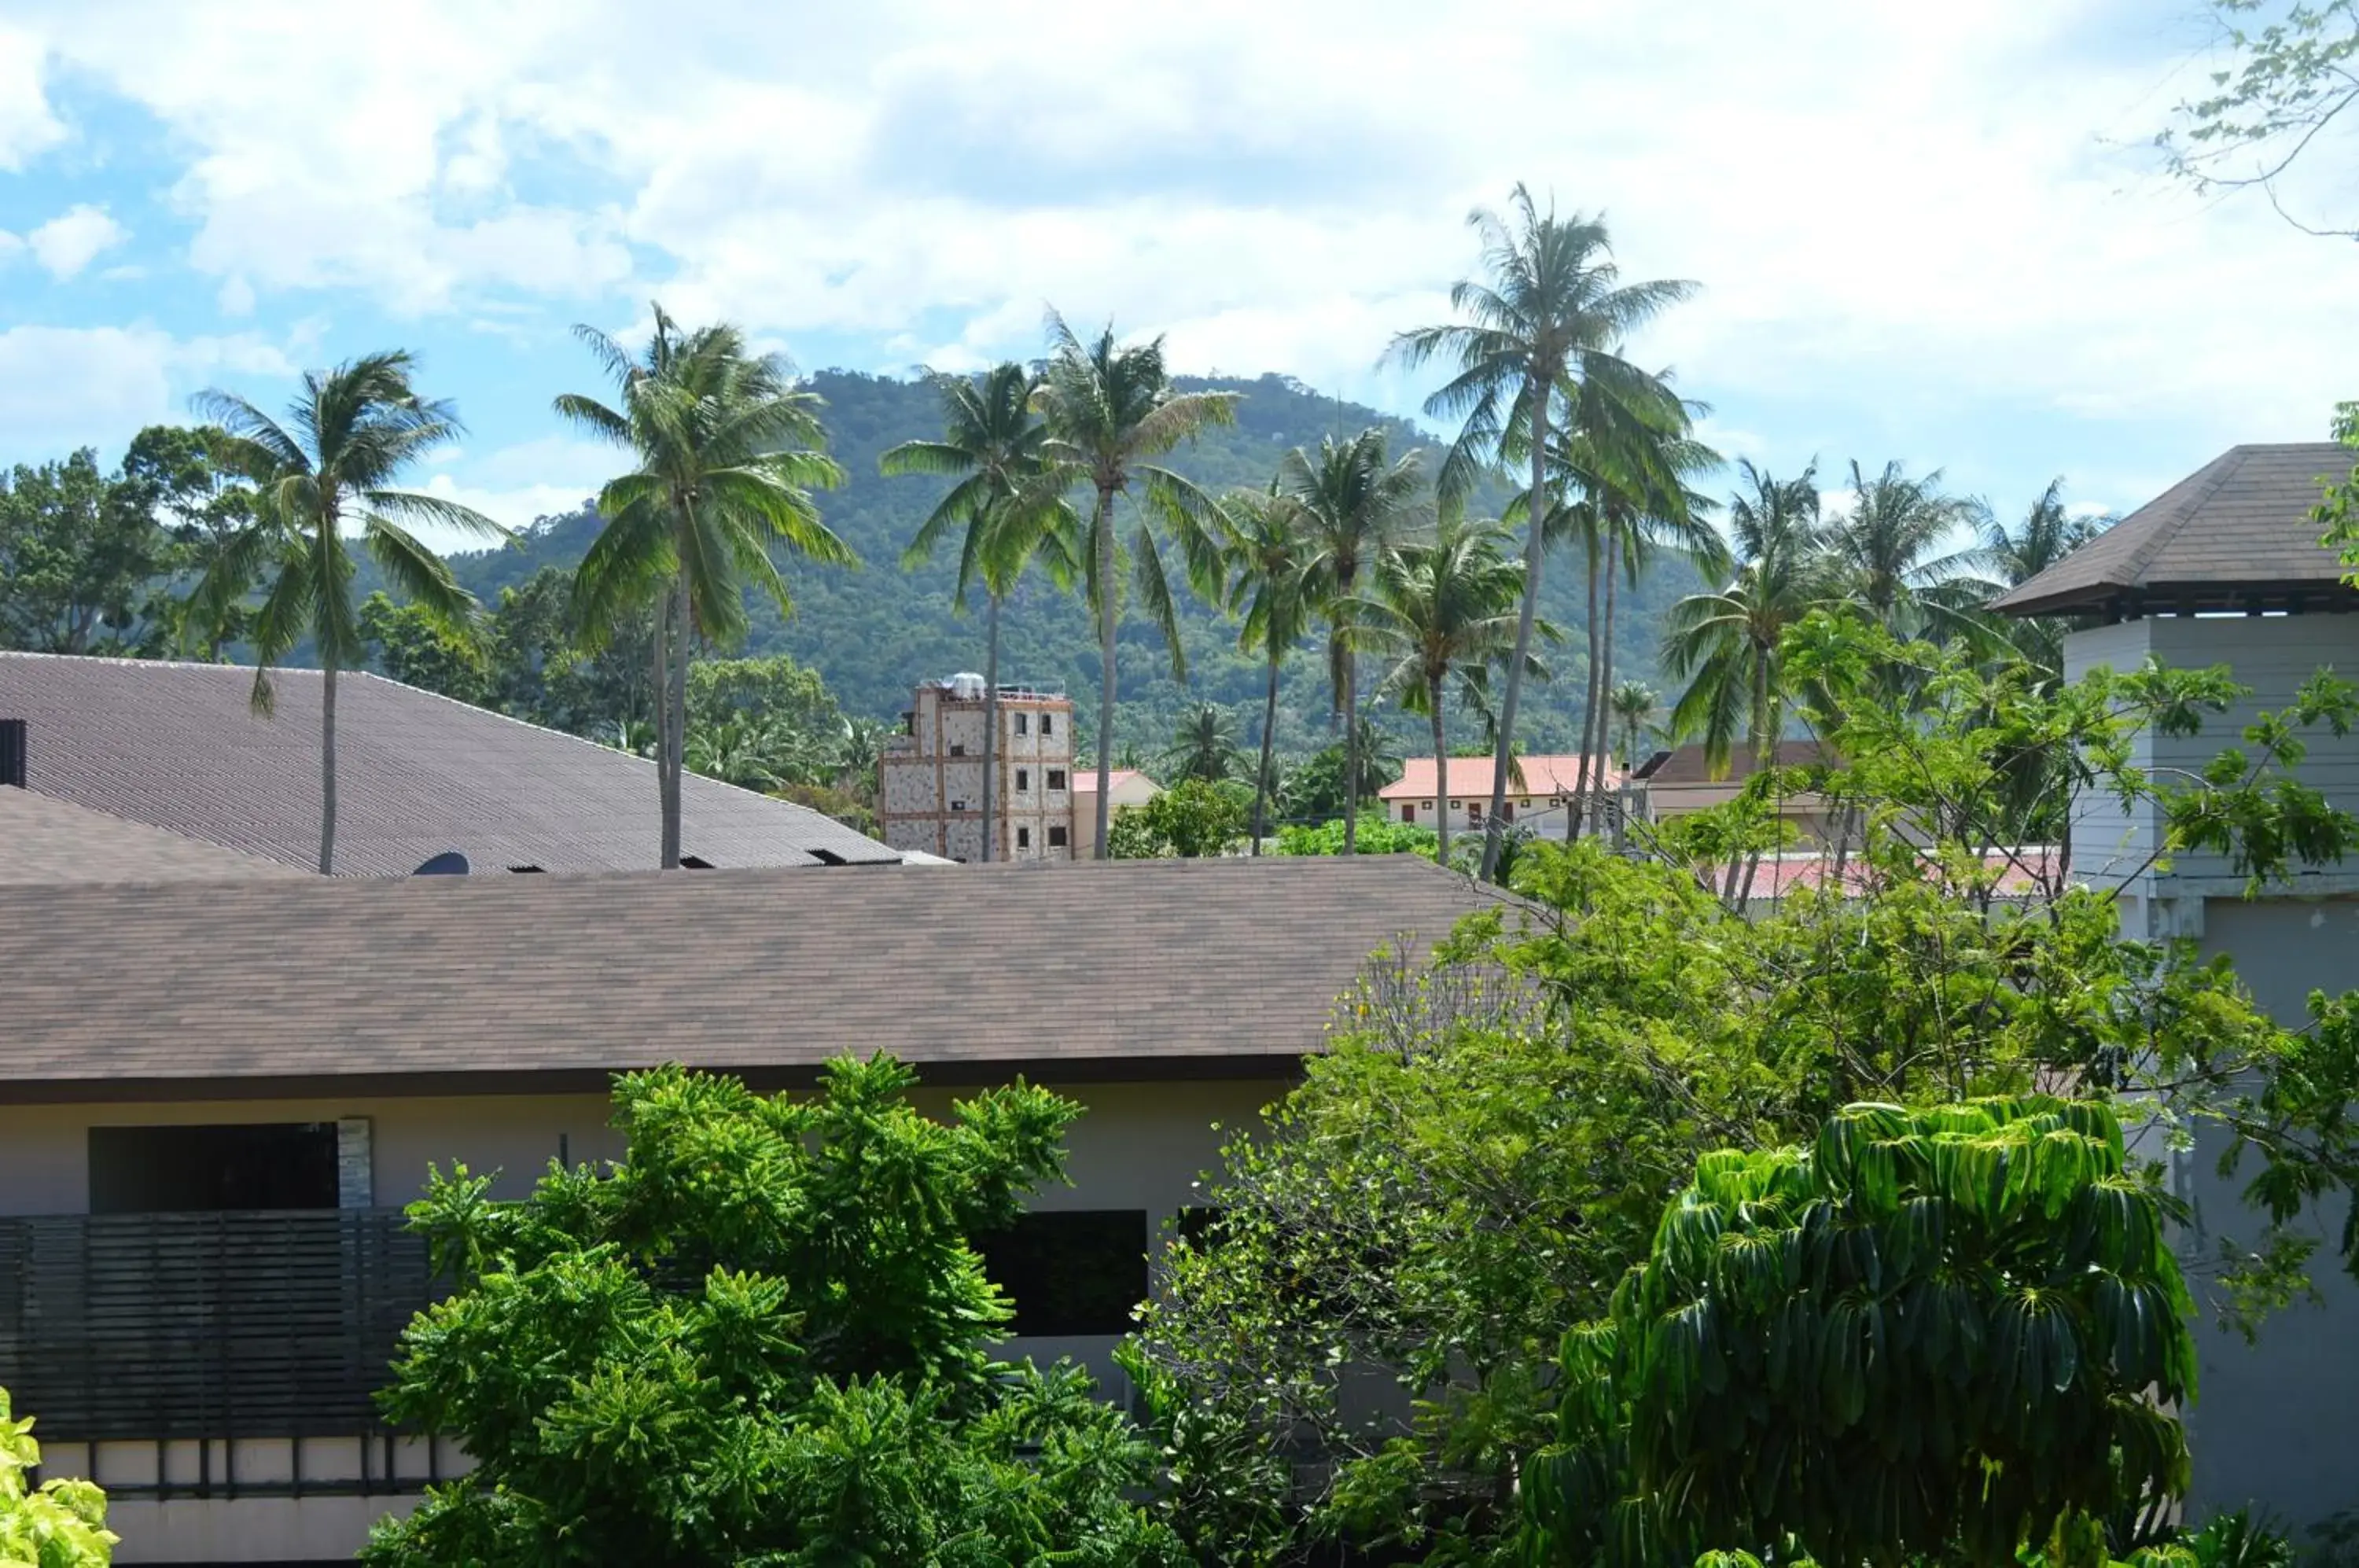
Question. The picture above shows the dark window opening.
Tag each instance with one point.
(522, 870)
(1056, 778)
(1077, 1272)
(958, 805)
(828, 857)
(1047, 723)
(1408, 814)
(1056, 838)
(176, 1169)
(1023, 838)
(1023, 779)
(1022, 720)
(908, 723)
(1198, 1226)
(1506, 810)
(694, 863)
(958, 748)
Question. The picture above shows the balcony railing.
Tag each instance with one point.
(205, 1325)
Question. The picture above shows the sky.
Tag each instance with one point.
(1935, 233)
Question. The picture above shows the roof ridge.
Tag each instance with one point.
(2229, 464)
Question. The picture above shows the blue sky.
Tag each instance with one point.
(1935, 233)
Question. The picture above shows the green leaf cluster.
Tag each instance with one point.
(765, 1337)
(61, 1523)
(1193, 819)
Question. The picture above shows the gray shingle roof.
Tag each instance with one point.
(2238, 526)
(1686, 764)
(49, 841)
(178, 747)
(1117, 968)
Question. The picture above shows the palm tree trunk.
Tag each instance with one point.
(990, 726)
(1441, 773)
(677, 700)
(1103, 543)
(1572, 821)
(1268, 738)
(1351, 747)
(659, 687)
(1536, 524)
(328, 761)
(1605, 665)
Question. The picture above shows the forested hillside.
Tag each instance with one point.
(873, 631)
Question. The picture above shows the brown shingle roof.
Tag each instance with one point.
(178, 747)
(2238, 526)
(1110, 968)
(1686, 765)
(51, 841)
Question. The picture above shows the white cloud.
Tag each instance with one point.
(520, 483)
(67, 387)
(73, 239)
(26, 125)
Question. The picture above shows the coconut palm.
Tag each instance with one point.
(1268, 553)
(1633, 706)
(2015, 555)
(350, 432)
(1548, 320)
(1355, 505)
(1203, 747)
(1110, 410)
(1725, 643)
(1903, 548)
(727, 449)
(1007, 502)
(1443, 613)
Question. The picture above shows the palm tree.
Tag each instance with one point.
(1902, 543)
(1632, 704)
(1205, 746)
(1008, 499)
(1725, 644)
(349, 434)
(727, 448)
(1109, 409)
(2015, 556)
(1547, 321)
(1268, 551)
(1355, 506)
(1443, 613)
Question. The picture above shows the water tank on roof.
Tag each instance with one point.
(966, 687)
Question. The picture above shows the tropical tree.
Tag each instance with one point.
(1633, 706)
(1268, 552)
(727, 447)
(2047, 533)
(1904, 551)
(1550, 318)
(1110, 410)
(1007, 503)
(1726, 644)
(350, 433)
(1205, 746)
(62, 1522)
(1443, 613)
(1355, 505)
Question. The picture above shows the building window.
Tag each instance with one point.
(1071, 1272)
(1056, 838)
(1408, 814)
(1023, 779)
(1023, 838)
(1056, 778)
(167, 1169)
(1047, 723)
(958, 748)
(958, 805)
(1021, 720)
(1507, 811)
(1474, 811)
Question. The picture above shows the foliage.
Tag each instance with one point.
(2238, 1539)
(1314, 789)
(1191, 820)
(1378, 834)
(411, 644)
(1487, 1149)
(763, 1337)
(1950, 1330)
(59, 1524)
(81, 551)
(1204, 748)
(2292, 79)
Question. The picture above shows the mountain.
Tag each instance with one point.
(873, 631)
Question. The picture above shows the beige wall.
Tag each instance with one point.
(1138, 1146)
(1135, 791)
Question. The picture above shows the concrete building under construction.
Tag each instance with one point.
(931, 798)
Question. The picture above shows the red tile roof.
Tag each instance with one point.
(1549, 775)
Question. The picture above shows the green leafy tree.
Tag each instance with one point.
(1204, 748)
(2293, 72)
(764, 1337)
(1355, 505)
(412, 645)
(349, 434)
(80, 553)
(61, 1523)
(1269, 552)
(1551, 317)
(1443, 614)
(1317, 788)
(1727, 644)
(1377, 835)
(1194, 819)
(728, 452)
(1954, 1334)
(1110, 410)
(1896, 551)
(1007, 502)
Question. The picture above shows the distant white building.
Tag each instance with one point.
(1538, 791)
(931, 793)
